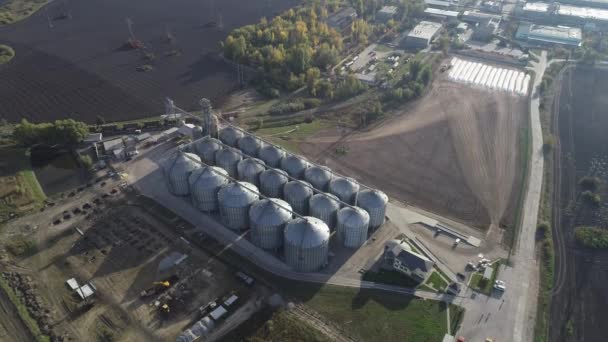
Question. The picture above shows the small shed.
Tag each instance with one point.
(487, 273)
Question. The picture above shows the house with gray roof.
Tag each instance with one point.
(399, 256)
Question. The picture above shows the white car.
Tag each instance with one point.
(500, 285)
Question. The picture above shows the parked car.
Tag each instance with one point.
(500, 285)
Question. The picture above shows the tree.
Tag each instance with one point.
(359, 31)
(425, 75)
(300, 58)
(325, 56)
(62, 132)
(312, 80)
(234, 48)
(415, 67)
(100, 120)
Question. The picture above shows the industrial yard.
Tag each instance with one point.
(456, 152)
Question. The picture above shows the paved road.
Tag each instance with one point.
(513, 319)
(146, 177)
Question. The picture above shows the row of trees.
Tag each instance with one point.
(61, 132)
(413, 83)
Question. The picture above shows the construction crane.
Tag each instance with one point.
(133, 42)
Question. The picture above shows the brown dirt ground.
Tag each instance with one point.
(454, 152)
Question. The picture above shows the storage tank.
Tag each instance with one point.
(325, 206)
(197, 132)
(271, 155)
(228, 159)
(234, 200)
(272, 182)
(297, 194)
(268, 218)
(294, 165)
(374, 202)
(344, 188)
(206, 149)
(230, 135)
(205, 183)
(318, 176)
(249, 170)
(352, 226)
(306, 244)
(177, 169)
(250, 145)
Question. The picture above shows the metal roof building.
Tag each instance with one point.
(386, 13)
(536, 7)
(584, 13)
(549, 35)
(421, 35)
(440, 13)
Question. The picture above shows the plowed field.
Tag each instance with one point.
(80, 68)
(455, 153)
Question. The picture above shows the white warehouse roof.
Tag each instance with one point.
(424, 30)
(440, 12)
(583, 12)
(541, 7)
(550, 34)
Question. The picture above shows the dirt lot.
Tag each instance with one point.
(119, 247)
(80, 68)
(580, 274)
(454, 152)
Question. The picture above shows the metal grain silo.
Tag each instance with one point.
(268, 218)
(235, 199)
(249, 145)
(230, 135)
(352, 226)
(177, 169)
(197, 132)
(228, 159)
(306, 244)
(249, 170)
(271, 155)
(205, 183)
(318, 176)
(344, 188)
(294, 165)
(325, 206)
(374, 202)
(272, 182)
(297, 194)
(206, 149)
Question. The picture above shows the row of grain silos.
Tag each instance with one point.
(254, 163)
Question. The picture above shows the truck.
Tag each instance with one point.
(247, 280)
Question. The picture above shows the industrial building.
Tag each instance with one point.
(440, 13)
(290, 212)
(549, 35)
(485, 25)
(441, 4)
(342, 19)
(492, 6)
(422, 35)
(575, 14)
(386, 13)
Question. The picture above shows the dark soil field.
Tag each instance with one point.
(80, 67)
(455, 152)
(579, 304)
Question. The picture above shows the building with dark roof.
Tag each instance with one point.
(400, 257)
(342, 19)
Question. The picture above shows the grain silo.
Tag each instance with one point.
(325, 206)
(297, 194)
(177, 169)
(344, 188)
(318, 176)
(249, 145)
(197, 132)
(306, 244)
(352, 226)
(294, 165)
(206, 148)
(235, 199)
(268, 218)
(205, 183)
(271, 155)
(374, 202)
(230, 135)
(228, 159)
(249, 170)
(272, 182)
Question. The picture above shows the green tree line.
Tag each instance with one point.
(59, 132)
